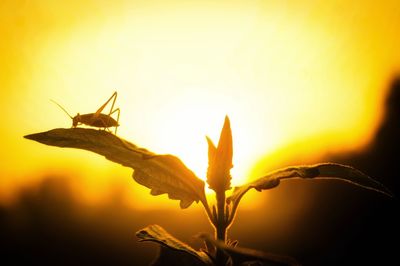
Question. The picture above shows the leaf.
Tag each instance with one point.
(246, 256)
(318, 171)
(161, 173)
(173, 251)
(212, 150)
(220, 160)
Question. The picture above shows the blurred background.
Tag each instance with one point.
(302, 82)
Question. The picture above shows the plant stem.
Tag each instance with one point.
(208, 211)
(221, 225)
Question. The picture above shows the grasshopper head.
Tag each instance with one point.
(76, 120)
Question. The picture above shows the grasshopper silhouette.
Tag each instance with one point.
(97, 119)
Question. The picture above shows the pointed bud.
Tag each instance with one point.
(220, 160)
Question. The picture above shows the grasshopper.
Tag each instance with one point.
(97, 119)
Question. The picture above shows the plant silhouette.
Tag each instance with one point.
(167, 174)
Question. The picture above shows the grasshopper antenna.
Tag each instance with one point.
(62, 108)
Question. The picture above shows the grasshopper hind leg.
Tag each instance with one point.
(106, 123)
(116, 111)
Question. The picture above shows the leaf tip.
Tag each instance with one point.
(210, 142)
(31, 136)
(227, 119)
(227, 124)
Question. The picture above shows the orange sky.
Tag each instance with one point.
(298, 74)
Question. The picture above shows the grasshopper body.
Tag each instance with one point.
(97, 119)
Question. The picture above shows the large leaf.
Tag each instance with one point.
(318, 171)
(173, 252)
(245, 256)
(160, 173)
(220, 160)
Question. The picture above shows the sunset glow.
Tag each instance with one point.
(312, 77)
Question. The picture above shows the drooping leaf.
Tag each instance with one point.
(161, 173)
(244, 256)
(317, 171)
(220, 160)
(172, 252)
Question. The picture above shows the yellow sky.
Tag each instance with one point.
(309, 72)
